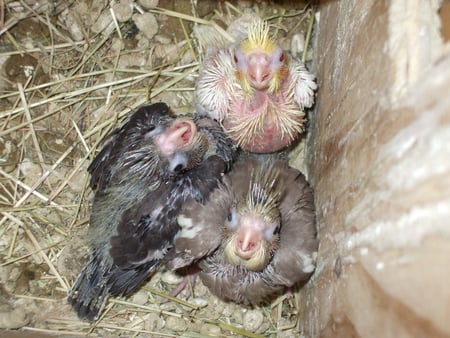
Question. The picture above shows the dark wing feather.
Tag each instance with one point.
(121, 140)
(133, 217)
(141, 229)
(101, 278)
(143, 236)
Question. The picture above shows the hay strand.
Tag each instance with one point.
(61, 96)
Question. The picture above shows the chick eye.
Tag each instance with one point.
(235, 58)
(282, 57)
(151, 131)
(271, 230)
(232, 220)
(178, 168)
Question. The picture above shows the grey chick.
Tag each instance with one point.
(141, 177)
(256, 234)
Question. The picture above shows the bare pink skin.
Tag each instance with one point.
(257, 91)
(181, 134)
(270, 138)
(190, 278)
(267, 141)
(259, 68)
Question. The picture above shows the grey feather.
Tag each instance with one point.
(138, 193)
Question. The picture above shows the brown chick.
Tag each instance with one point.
(255, 235)
(256, 90)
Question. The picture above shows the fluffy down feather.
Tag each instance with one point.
(256, 90)
(255, 235)
(146, 170)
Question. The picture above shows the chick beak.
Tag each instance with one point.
(259, 70)
(181, 134)
(248, 238)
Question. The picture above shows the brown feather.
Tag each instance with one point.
(292, 250)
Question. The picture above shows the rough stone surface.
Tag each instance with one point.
(104, 23)
(123, 11)
(176, 324)
(147, 24)
(148, 3)
(253, 320)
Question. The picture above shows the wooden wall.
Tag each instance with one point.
(379, 160)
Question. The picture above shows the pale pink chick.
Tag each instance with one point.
(257, 91)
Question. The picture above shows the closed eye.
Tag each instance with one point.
(152, 131)
(232, 220)
(271, 230)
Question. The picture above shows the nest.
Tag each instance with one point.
(70, 73)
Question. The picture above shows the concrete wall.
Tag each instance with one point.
(379, 159)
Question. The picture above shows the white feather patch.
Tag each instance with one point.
(304, 84)
(309, 262)
(188, 229)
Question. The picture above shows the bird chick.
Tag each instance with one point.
(146, 170)
(256, 90)
(255, 235)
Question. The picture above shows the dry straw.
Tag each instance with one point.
(51, 126)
